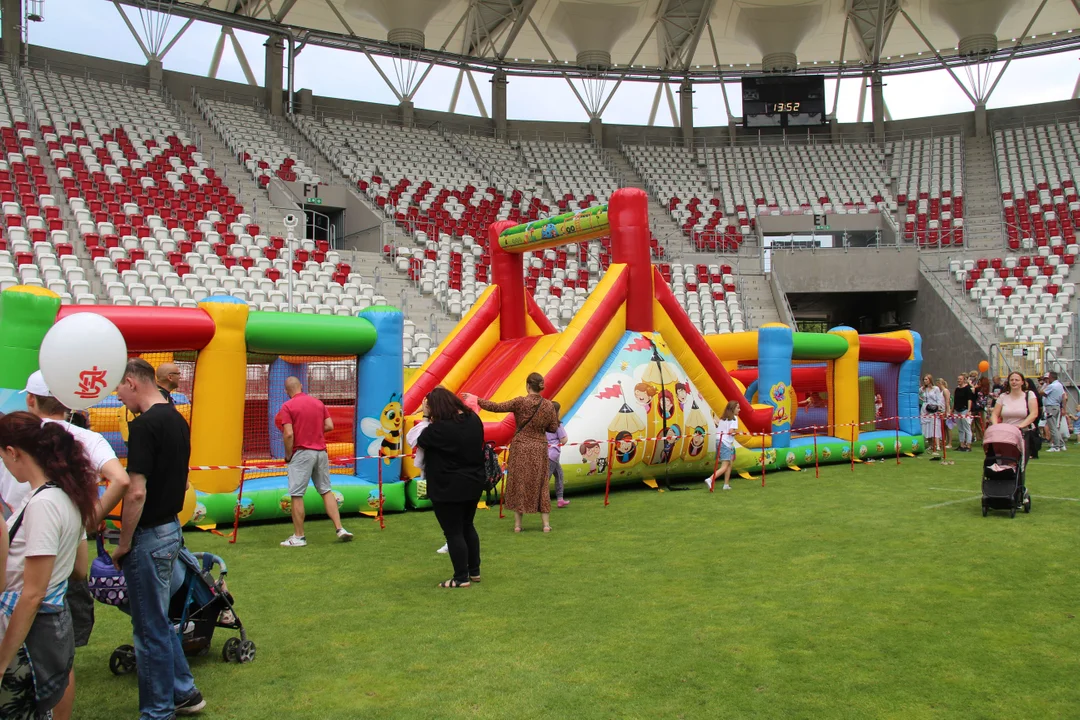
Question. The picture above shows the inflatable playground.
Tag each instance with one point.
(640, 388)
(234, 362)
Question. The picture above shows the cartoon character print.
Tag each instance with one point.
(778, 394)
(644, 394)
(667, 405)
(862, 451)
(845, 453)
(548, 231)
(790, 460)
(625, 447)
(682, 392)
(808, 455)
(590, 455)
(385, 431)
(670, 438)
(697, 441)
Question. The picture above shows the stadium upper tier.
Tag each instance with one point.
(107, 199)
(656, 36)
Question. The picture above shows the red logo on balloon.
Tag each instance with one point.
(91, 383)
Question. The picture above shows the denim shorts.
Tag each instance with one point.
(727, 453)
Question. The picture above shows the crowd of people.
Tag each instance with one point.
(53, 467)
(51, 501)
(1042, 408)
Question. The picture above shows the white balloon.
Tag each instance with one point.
(82, 359)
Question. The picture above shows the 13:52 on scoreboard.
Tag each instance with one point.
(783, 101)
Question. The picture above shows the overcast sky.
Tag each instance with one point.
(94, 27)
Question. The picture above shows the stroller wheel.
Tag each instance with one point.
(246, 652)
(985, 509)
(1012, 512)
(122, 660)
(1027, 503)
(230, 649)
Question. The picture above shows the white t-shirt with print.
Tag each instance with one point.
(727, 430)
(51, 526)
(97, 450)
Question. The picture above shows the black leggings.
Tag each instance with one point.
(456, 521)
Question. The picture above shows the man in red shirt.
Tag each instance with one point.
(304, 422)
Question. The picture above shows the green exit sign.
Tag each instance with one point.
(314, 201)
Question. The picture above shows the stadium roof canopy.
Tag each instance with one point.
(703, 39)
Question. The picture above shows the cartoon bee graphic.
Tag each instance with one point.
(385, 431)
(808, 455)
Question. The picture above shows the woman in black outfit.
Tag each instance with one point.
(453, 448)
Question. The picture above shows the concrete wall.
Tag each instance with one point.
(857, 270)
(783, 224)
(948, 348)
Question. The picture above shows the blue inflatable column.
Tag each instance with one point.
(276, 397)
(380, 420)
(907, 389)
(775, 346)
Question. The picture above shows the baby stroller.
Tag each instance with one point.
(1003, 485)
(200, 604)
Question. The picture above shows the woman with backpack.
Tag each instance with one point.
(528, 470)
(453, 446)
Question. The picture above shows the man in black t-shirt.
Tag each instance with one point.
(963, 401)
(159, 449)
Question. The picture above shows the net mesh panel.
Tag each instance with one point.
(257, 420)
(110, 418)
(814, 414)
(886, 385)
(330, 379)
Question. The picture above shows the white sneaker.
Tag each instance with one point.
(1053, 449)
(344, 535)
(726, 487)
(709, 482)
(294, 541)
(443, 550)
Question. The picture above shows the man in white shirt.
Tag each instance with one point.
(40, 402)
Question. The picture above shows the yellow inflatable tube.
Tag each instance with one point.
(845, 397)
(217, 420)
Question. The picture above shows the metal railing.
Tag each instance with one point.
(947, 295)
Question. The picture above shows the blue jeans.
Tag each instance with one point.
(164, 675)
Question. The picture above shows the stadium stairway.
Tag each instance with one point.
(982, 223)
(236, 176)
(757, 299)
(663, 226)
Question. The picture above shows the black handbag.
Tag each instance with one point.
(932, 408)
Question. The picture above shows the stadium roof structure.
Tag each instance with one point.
(703, 40)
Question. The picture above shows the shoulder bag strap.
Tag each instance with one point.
(535, 410)
(18, 521)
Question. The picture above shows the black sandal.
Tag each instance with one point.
(474, 578)
(451, 583)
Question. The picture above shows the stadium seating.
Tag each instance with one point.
(1037, 167)
(1027, 297)
(716, 194)
(248, 133)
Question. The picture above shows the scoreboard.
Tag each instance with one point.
(783, 101)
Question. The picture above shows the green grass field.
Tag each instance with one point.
(878, 593)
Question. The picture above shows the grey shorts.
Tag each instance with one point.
(80, 605)
(307, 465)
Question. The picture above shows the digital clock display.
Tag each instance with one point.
(783, 100)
